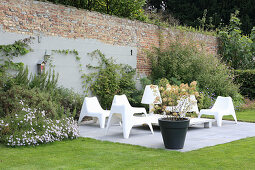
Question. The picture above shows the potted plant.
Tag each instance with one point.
(175, 104)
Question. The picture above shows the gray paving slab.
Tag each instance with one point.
(197, 137)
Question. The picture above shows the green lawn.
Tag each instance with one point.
(92, 154)
(244, 116)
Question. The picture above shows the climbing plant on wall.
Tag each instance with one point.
(8, 52)
(75, 53)
(109, 79)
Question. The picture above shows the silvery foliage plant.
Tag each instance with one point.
(33, 127)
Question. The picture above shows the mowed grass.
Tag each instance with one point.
(92, 154)
(244, 116)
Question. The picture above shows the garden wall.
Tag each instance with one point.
(60, 27)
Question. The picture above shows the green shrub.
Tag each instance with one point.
(110, 79)
(186, 64)
(163, 82)
(40, 92)
(69, 100)
(10, 99)
(45, 81)
(58, 103)
(237, 50)
(205, 100)
(145, 81)
(246, 78)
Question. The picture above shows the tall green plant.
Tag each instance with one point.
(44, 81)
(110, 79)
(236, 49)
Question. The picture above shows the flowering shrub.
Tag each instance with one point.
(172, 94)
(32, 127)
(248, 105)
(57, 103)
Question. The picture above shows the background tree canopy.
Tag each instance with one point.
(122, 8)
(188, 12)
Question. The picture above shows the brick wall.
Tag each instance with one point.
(42, 18)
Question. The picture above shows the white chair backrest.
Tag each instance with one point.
(223, 103)
(91, 105)
(121, 100)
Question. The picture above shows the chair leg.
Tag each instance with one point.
(80, 118)
(111, 120)
(108, 124)
(197, 112)
(102, 122)
(126, 131)
(234, 116)
(150, 126)
(199, 115)
(219, 120)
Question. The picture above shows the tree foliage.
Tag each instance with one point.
(188, 12)
(122, 8)
(236, 49)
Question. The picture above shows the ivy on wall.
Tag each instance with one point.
(8, 52)
(109, 79)
(106, 79)
(75, 53)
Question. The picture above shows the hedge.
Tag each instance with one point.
(246, 78)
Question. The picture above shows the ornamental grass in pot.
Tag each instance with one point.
(175, 104)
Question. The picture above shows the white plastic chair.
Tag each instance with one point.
(193, 107)
(123, 112)
(91, 107)
(222, 106)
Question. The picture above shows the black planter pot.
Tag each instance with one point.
(173, 132)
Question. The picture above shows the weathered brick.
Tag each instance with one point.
(29, 16)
